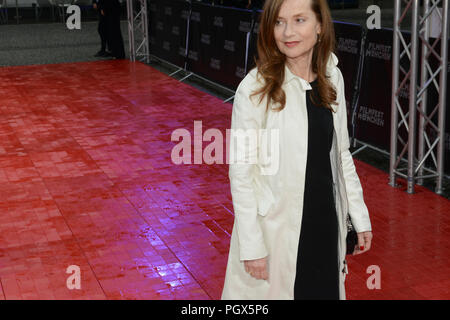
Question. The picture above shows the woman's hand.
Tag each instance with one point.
(257, 268)
(364, 242)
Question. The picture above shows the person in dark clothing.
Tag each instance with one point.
(111, 10)
(102, 29)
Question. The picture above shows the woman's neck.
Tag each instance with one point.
(301, 67)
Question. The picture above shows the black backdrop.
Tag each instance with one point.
(222, 48)
(348, 47)
(218, 43)
(168, 30)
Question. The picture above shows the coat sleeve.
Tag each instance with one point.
(358, 211)
(245, 118)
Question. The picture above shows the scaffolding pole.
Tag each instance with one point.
(425, 157)
(138, 30)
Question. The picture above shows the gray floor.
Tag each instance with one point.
(28, 44)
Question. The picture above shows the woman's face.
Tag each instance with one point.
(296, 30)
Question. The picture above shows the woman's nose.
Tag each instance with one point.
(288, 30)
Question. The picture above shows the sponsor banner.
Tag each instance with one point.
(374, 112)
(218, 43)
(348, 47)
(168, 22)
(373, 117)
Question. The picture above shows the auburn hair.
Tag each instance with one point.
(271, 61)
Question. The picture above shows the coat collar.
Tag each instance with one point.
(289, 76)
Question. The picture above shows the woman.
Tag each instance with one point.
(288, 238)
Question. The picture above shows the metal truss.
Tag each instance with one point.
(424, 157)
(138, 30)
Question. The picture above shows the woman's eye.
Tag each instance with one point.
(278, 22)
(300, 20)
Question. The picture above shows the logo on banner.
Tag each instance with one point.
(371, 115)
(168, 11)
(379, 51)
(193, 55)
(229, 45)
(166, 45)
(159, 25)
(153, 7)
(218, 22)
(240, 72)
(205, 38)
(404, 91)
(195, 16)
(182, 51)
(176, 30)
(245, 26)
(433, 136)
(348, 45)
(184, 14)
(256, 28)
(215, 64)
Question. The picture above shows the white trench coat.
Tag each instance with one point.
(268, 208)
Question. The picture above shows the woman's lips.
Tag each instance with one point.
(291, 44)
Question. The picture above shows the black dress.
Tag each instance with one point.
(317, 275)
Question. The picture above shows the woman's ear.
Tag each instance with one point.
(319, 29)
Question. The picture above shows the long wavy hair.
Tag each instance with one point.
(271, 61)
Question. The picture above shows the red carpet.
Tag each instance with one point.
(86, 179)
